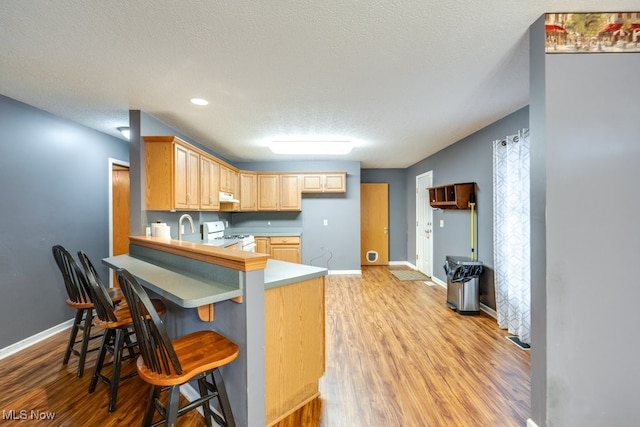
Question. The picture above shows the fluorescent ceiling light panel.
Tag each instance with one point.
(311, 147)
(199, 101)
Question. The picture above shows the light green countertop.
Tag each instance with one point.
(189, 291)
(266, 231)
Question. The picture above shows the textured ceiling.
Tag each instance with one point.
(403, 79)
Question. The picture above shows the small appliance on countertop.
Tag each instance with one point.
(212, 230)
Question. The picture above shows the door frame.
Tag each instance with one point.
(428, 176)
(111, 163)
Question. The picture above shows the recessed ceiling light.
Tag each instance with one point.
(311, 147)
(199, 101)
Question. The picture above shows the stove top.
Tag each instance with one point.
(215, 230)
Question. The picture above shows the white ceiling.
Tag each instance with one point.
(403, 79)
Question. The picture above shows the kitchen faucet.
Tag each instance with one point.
(193, 229)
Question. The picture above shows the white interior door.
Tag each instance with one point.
(424, 224)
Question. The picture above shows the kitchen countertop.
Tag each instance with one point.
(280, 273)
(180, 287)
(266, 231)
(189, 291)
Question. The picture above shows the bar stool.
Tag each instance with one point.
(167, 364)
(118, 329)
(78, 298)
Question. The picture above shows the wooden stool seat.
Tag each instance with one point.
(167, 364)
(197, 352)
(115, 294)
(123, 316)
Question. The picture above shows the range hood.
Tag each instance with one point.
(228, 198)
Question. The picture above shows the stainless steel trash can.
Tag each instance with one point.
(463, 291)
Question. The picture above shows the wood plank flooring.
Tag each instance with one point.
(396, 356)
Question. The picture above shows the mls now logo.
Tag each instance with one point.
(23, 414)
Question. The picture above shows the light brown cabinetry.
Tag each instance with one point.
(262, 245)
(279, 192)
(248, 191)
(180, 176)
(282, 248)
(452, 196)
(285, 248)
(172, 171)
(294, 322)
(228, 180)
(329, 182)
(209, 184)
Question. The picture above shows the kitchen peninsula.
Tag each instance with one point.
(273, 310)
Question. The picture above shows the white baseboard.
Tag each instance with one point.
(359, 272)
(27, 342)
(490, 311)
(405, 263)
(530, 423)
(437, 281)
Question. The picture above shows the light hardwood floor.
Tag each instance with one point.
(396, 356)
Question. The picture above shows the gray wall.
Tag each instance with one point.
(396, 178)
(468, 160)
(336, 246)
(54, 185)
(592, 133)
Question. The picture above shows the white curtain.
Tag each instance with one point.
(511, 232)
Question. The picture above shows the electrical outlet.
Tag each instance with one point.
(441, 223)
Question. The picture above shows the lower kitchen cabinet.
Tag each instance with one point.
(294, 318)
(282, 248)
(262, 245)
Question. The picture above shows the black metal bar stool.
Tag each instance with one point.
(78, 298)
(167, 364)
(118, 326)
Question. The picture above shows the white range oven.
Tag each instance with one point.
(213, 230)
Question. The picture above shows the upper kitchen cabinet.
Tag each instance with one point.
(279, 192)
(228, 180)
(248, 191)
(172, 170)
(209, 184)
(328, 182)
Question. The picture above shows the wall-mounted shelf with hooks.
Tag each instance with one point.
(453, 196)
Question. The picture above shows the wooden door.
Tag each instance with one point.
(120, 222)
(374, 224)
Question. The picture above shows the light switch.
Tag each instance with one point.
(441, 223)
(325, 222)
